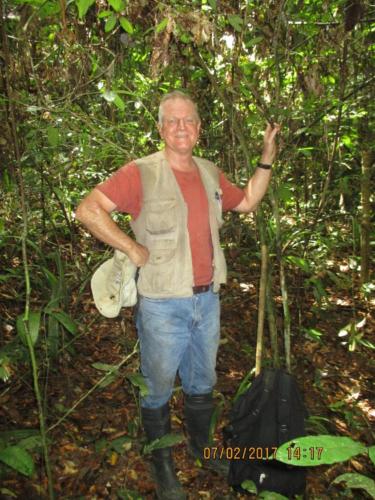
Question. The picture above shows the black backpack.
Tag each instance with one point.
(270, 413)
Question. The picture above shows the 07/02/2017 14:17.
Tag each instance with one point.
(261, 453)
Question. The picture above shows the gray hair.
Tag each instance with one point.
(175, 94)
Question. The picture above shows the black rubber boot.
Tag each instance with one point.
(157, 423)
(199, 409)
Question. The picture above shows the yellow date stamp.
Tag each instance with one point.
(239, 453)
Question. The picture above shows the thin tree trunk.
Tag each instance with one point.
(271, 317)
(367, 160)
(63, 14)
(261, 307)
(283, 285)
(287, 319)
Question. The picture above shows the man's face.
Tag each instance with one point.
(180, 127)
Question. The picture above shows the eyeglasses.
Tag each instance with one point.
(172, 122)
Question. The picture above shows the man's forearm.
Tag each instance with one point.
(101, 225)
(257, 187)
(258, 184)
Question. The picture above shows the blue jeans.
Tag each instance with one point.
(178, 335)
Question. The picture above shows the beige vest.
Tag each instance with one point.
(162, 227)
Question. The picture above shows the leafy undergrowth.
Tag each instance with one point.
(96, 450)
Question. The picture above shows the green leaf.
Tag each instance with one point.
(101, 445)
(61, 408)
(83, 7)
(49, 8)
(318, 290)
(33, 327)
(249, 486)
(138, 380)
(18, 434)
(52, 281)
(357, 481)
(109, 96)
(341, 281)
(162, 25)
(317, 423)
(367, 344)
(164, 442)
(213, 4)
(128, 495)
(110, 23)
(111, 377)
(285, 193)
(117, 5)
(299, 262)
(271, 495)
(67, 322)
(34, 324)
(104, 367)
(121, 445)
(126, 25)
(119, 103)
(306, 151)
(6, 277)
(371, 453)
(104, 13)
(18, 459)
(347, 141)
(254, 41)
(185, 38)
(244, 385)
(53, 136)
(5, 367)
(53, 335)
(59, 193)
(112, 373)
(236, 22)
(313, 333)
(318, 450)
(6, 492)
(31, 443)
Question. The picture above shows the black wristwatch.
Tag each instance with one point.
(265, 166)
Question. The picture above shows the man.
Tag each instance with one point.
(176, 202)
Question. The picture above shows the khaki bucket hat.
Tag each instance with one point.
(113, 285)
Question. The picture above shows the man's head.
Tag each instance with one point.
(176, 94)
(179, 122)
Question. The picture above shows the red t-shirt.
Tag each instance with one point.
(124, 188)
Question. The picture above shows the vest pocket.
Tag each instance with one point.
(161, 230)
(160, 256)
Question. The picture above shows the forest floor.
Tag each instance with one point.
(96, 451)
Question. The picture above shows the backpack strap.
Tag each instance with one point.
(283, 407)
(269, 380)
(249, 415)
